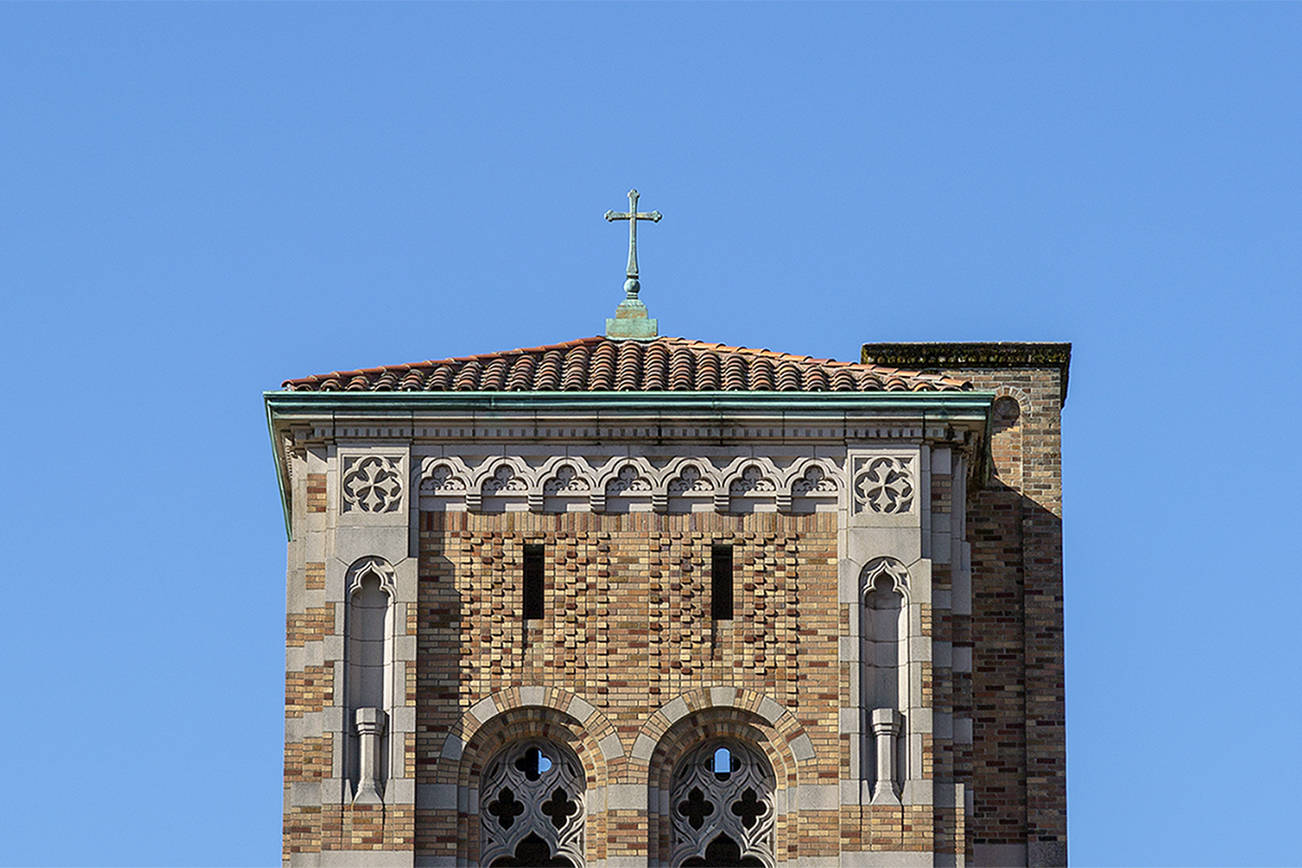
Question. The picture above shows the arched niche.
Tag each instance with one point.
(368, 675)
(886, 676)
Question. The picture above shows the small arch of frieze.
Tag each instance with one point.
(550, 469)
(457, 473)
(798, 469)
(489, 468)
(673, 472)
(611, 470)
(735, 471)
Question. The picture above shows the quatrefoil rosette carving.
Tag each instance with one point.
(371, 484)
(736, 802)
(884, 485)
(533, 788)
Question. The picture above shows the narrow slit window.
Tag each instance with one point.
(721, 582)
(533, 581)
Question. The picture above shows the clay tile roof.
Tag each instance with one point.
(601, 365)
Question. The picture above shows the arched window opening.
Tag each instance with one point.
(722, 807)
(532, 812)
(723, 851)
(533, 852)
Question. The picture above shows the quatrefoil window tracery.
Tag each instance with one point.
(532, 793)
(723, 795)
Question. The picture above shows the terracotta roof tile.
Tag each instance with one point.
(599, 365)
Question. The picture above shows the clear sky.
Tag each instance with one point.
(198, 201)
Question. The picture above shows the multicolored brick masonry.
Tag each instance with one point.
(887, 645)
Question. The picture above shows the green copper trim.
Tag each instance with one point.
(650, 402)
(285, 508)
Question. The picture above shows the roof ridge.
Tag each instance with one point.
(503, 371)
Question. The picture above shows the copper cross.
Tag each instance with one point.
(632, 216)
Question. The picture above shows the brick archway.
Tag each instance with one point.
(710, 713)
(508, 716)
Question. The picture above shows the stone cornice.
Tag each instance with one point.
(298, 420)
(951, 357)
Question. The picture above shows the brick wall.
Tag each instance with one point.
(628, 628)
(1016, 534)
(1015, 529)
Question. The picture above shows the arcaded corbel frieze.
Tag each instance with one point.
(726, 482)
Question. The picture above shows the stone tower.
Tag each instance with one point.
(635, 600)
(618, 602)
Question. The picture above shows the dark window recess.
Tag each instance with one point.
(721, 582)
(533, 581)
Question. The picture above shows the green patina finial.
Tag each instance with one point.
(631, 320)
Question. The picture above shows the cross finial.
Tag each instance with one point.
(631, 286)
(631, 320)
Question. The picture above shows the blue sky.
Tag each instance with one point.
(198, 201)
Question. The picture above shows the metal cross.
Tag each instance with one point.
(632, 216)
